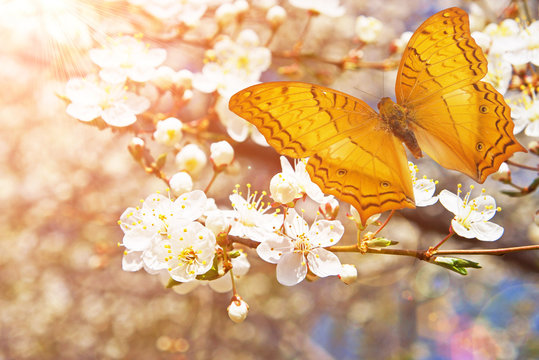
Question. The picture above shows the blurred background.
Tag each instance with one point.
(63, 186)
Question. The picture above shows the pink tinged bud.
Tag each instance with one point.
(221, 153)
(275, 16)
(181, 183)
(237, 310)
(348, 274)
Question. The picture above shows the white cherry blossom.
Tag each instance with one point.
(472, 215)
(146, 225)
(187, 251)
(301, 248)
(251, 218)
(525, 113)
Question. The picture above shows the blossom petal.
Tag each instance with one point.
(487, 231)
(295, 225)
(191, 205)
(273, 249)
(325, 232)
(459, 229)
(132, 261)
(291, 269)
(486, 206)
(450, 201)
(118, 115)
(323, 263)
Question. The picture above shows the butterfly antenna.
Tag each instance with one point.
(370, 95)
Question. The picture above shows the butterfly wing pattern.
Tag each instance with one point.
(461, 122)
(351, 157)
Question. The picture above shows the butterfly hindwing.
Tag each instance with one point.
(469, 130)
(368, 170)
(351, 156)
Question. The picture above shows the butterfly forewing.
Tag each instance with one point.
(351, 156)
(440, 57)
(298, 119)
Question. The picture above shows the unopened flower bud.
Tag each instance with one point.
(397, 46)
(237, 310)
(276, 16)
(221, 153)
(283, 189)
(329, 208)
(241, 6)
(534, 147)
(217, 222)
(184, 79)
(348, 274)
(191, 159)
(164, 77)
(225, 14)
(169, 131)
(503, 174)
(181, 183)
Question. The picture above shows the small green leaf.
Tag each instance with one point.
(160, 161)
(213, 273)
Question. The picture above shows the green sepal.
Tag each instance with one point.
(380, 242)
(160, 161)
(234, 254)
(456, 264)
(171, 283)
(213, 273)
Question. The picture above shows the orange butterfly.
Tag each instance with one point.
(357, 155)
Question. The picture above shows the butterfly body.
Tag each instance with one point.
(443, 109)
(397, 119)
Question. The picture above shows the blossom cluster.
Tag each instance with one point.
(181, 113)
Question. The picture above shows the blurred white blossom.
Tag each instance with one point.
(173, 12)
(237, 128)
(301, 249)
(368, 28)
(326, 7)
(168, 131)
(127, 57)
(472, 215)
(525, 113)
(192, 159)
(91, 98)
(233, 64)
(276, 15)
